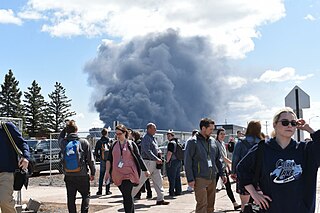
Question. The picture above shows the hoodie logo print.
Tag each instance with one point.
(286, 171)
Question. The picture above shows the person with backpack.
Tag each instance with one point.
(287, 180)
(77, 156)
(242, 147)
(125, 164)
(101, 152)
(173, 164)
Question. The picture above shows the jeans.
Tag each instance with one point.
(79, 184)
(101, 176)
(173, 173)
(126, 189)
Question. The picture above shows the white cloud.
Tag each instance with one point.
(85, 121)
(246, 102)
(78, 116)
(231, 24)
(310, 17)
(8, 17)
(235, 82)
(30, 15)
(284, 74)
(97, 123)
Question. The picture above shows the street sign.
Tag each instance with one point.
(297, 99)
(297, 96)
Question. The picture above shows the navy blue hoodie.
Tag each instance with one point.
(288, 176)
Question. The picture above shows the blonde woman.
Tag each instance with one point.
(289, 168)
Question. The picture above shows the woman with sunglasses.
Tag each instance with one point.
(126, 163)
(287, 178)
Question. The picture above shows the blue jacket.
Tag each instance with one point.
(8, 156)
(195, 160)
(287, 175)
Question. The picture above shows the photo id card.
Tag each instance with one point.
(209, 163)
(120, 164)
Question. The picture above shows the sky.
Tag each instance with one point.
(234, 61)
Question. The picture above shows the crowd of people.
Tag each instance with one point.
(278, 173)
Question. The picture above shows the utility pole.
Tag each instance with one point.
(267, 127)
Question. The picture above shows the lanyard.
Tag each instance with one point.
(121, 148)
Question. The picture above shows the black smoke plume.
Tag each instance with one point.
(163, 78)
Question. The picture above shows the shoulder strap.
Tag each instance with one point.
(133, 147)
(18, 151)
(246, 143)
(259, 160)
(258, 165)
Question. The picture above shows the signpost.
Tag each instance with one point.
(297, 99)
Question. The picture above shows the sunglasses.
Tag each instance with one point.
(286, 123)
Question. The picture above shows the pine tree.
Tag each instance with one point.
(10, 97)
(35, 109)
(59, 108)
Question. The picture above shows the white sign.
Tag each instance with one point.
(297, 95)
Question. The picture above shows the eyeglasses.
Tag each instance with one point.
(286, 122)
(119, 133)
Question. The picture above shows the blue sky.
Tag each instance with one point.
(270, 46)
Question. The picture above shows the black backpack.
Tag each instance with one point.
(179, 152)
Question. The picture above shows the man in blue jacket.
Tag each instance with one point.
(202, 159)
(9, 163)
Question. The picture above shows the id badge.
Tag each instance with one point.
(120, 164)
(209, 163)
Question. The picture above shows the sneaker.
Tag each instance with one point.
(99, 193)
(162, 202)
(149, 196)
(109, 193)
(190, 189)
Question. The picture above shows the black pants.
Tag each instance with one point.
(79, 184)
(145, 186)
(228, 188)
(126, 189)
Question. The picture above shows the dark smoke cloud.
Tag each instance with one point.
(161, 78)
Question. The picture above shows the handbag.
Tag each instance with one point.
(21, 177)
(251, 207)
